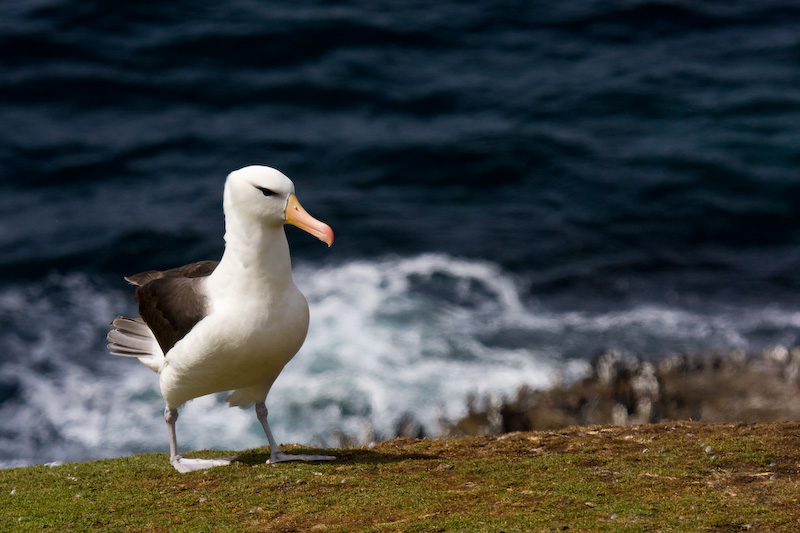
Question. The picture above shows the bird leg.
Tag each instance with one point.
(275, 453)
(186, 464)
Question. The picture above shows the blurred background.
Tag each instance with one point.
(515, 188)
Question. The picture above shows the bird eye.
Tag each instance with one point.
(265, 191)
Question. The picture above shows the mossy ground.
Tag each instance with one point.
(679, 476)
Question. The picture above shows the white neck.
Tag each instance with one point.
(256, 259)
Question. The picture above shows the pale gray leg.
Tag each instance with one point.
(275, 453)
(186, 464)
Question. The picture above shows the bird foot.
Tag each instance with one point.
(190, 464)
(281, 457)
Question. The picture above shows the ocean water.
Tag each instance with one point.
(515, 187)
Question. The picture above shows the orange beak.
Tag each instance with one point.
(297, 216)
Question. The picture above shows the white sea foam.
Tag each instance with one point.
(402, 336)
(388, 337)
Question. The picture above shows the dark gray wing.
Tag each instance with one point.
(171, 302)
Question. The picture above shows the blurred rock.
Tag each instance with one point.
(618, 390)
(408, 426)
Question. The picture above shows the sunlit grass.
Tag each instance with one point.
(666, 477)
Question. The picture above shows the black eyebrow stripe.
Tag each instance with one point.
(264, 190)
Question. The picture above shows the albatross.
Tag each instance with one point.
(228, 325)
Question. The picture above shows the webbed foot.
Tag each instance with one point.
(281, 457)
(190, 464)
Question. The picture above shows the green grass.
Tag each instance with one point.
(664, 477)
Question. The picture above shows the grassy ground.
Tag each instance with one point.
(668, 477)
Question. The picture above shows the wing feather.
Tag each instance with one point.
(171, 302)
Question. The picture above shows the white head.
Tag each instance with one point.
(263, 196)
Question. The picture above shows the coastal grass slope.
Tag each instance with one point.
(675, 476)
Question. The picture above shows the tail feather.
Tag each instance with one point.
(133, 338)
(130, 344)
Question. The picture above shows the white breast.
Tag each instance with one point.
(243, 343)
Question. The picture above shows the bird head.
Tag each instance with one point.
(264, 195)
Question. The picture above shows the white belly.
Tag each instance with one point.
(238, 346)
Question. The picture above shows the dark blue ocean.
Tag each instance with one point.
(515, 187)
